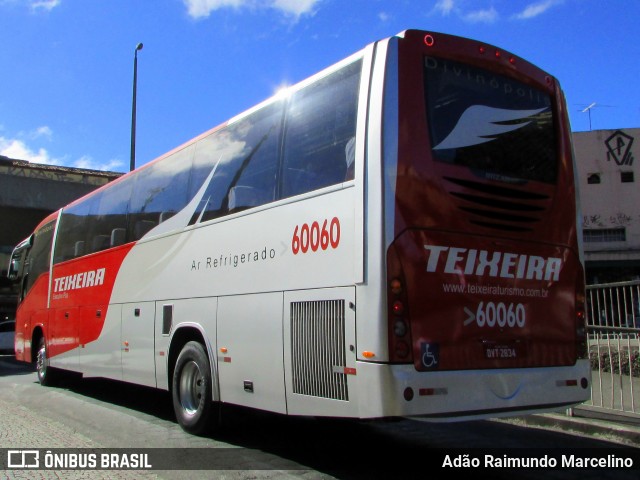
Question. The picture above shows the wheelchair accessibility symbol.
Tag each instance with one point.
(430, 353)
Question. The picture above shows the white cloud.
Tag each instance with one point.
(45, 5)
(481, 16)
(295, 7)
(88, 162)
(34, 6)
(445, 7)
(384, 16)
(448, 7)
(18, 149)
(538, 8)
(203, 8)
(40, 132)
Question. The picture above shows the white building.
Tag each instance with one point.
(608, 186)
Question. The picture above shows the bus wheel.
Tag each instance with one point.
(192, 389)
(46, 375)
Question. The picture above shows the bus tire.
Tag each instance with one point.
(46, 374)
(191, 389)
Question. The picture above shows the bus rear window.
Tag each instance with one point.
(496, 126)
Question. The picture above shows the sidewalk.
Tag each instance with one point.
(583, 422)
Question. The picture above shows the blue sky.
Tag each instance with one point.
(67, 65)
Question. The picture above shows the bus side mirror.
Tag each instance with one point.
(14, 274)
(15, 271)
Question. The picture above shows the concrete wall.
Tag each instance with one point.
(609, 181)
(28, 193)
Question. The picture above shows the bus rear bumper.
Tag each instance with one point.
(468, 394)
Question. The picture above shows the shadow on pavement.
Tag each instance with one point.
(10, 366)
(350, 449)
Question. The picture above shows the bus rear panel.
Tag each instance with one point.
(485, 292)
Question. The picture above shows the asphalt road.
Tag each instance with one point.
(99, 414)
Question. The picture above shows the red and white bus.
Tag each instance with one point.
(394, 236)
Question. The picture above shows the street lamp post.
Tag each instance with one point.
(132, 164)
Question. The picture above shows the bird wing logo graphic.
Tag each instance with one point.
(480, 124)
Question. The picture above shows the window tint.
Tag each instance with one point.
(245, 158)
(95, 224)
(108, 227)
(320, 128)
(73, 232)
(160, 191)
(40, 255)
(203, 163)
(498, 127)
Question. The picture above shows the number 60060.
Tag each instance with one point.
(313, 237)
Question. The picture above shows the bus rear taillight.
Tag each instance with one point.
(429, 41)
(400, 350)
(400, 339)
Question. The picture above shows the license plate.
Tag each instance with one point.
(502, 351)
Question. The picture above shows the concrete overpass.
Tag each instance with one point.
(28, 193)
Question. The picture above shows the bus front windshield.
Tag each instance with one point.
(499, 128)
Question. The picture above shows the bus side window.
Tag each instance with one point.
(99, 243)
(320, 124)
(158, 188)
(245, 155)
(109, 215)
(37, 262)
(71, 241)
(141, 227)
(88, 226)
(118, 237)
(78, 249)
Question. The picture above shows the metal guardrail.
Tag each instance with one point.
(613, 329)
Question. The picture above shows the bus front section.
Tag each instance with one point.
(484, 278)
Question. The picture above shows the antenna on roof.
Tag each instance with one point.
(588, 109)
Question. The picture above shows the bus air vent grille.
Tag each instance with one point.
(498, 208)
(318, 354)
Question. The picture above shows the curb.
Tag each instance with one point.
(628, 435)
